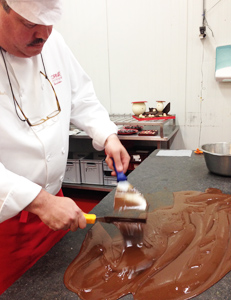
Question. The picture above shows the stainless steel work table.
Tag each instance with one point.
(156, 174)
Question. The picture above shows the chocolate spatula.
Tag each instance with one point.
(129, 202)
(92, 218)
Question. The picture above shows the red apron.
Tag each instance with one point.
(23, 240)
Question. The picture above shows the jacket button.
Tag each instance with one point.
(48, 157)
(47, 186)
(61, 178)
(63, 150)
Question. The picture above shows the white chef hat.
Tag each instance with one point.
(44, 12)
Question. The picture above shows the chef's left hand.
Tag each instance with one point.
(114, 149)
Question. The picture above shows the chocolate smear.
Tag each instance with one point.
(186, 249)
(129, 202)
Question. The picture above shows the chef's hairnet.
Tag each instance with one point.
(44, 12)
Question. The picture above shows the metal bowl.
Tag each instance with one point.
(218, 158)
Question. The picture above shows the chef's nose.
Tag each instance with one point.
(43, 32)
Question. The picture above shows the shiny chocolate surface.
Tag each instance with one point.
(186, 248)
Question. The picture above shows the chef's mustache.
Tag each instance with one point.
(37, 41)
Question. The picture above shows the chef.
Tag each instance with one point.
(42, 89)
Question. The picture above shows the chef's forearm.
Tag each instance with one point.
(58, 213)
(37, 205)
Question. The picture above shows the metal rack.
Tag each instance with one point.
(167, 128)
(121, 119)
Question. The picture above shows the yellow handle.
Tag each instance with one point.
(90, 218)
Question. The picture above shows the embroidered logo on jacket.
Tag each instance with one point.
(56, 78)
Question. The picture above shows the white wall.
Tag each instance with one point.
(150, 50)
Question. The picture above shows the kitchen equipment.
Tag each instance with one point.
(218, 157)
(73, 173)
(91, 219)
(92, 168)
(129, 202)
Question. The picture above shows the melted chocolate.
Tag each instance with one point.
(129, 202)
(186, 249)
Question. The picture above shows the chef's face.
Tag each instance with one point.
(20, 37)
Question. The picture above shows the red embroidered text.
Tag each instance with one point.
(56, 78)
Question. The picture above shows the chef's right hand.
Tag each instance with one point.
(57, 212)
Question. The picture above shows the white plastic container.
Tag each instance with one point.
(73, 174)
(92, 168)
(110, 180)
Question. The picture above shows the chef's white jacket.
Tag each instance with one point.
(32, 158)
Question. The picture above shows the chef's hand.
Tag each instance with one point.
(57, 212)
(114, 149)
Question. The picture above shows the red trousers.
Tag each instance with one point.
(23, 240)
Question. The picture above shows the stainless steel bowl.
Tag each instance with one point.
(218, 158)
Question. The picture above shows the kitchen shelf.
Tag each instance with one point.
(127, 119)
(167, 129)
